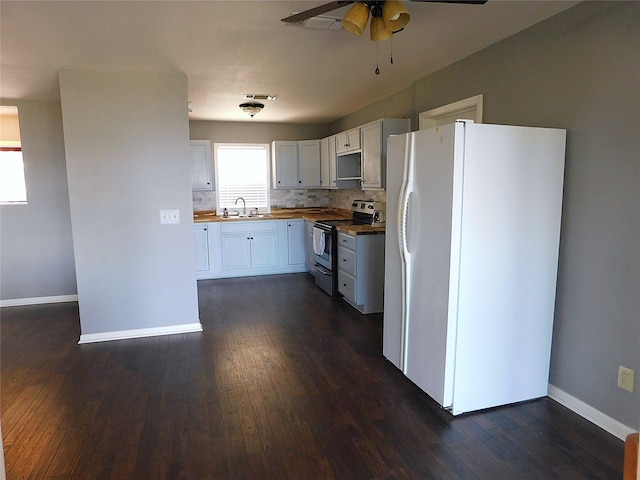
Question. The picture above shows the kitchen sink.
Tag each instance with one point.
(246, 217)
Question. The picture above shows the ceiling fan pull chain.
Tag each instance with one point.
(391, 50)
(377, 58)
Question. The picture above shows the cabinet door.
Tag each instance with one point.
(296, 242)
(348, 141)
(309, 163)
(236, 250)
(333, 166)
(201, 239)
(325, 171)
(264, 249)
(200, 151)
(353, 140)
(285, 162)
(341, 142)
(372, 156)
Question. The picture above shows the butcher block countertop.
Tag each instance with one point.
(360, 229)
(310, 213)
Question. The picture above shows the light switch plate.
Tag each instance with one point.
(169, 216)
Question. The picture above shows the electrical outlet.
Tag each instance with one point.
(626, 377)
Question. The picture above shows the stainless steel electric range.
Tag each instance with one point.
(325, 244)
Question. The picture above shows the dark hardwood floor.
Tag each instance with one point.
(284, 383)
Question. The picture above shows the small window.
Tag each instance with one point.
(242, 170)
(12, 182)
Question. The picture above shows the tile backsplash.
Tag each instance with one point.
(206, 200)
(343, 198)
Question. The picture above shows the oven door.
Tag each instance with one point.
(324, 259)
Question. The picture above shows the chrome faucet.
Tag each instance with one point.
(244, 205)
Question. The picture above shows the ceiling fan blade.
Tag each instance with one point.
(471, 2)
(313, 12)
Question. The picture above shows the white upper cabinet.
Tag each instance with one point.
(296, 164)
(328, 162)
(201, 178)
(348, 142)
(285, 164)
(309, 163)
(374, 149)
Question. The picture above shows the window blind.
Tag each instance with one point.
(242, 170)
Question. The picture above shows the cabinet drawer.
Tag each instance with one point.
(346, 241)
(347, 260)
(347, 285)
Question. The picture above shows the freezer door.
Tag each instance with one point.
(431, 331)
(392, 344)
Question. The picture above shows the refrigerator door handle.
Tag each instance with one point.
(406, 189)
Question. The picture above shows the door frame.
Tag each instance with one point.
(468, 108)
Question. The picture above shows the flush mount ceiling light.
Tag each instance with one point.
(251, 108)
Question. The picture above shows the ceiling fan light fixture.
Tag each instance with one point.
(251, 108)
(355, 20)
(395, 15)
(378, 30)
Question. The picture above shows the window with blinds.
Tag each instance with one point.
(242, 170)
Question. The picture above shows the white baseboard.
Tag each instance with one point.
(18, 302)
(140, 333)
(586, 411)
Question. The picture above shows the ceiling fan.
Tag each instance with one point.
(387, 17)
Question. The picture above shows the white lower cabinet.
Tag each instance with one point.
(296, 253)
(201, 239)
(239, 248)
(249, 245)
(361, 271)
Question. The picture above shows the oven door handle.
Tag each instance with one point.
(322, 270)
(323, 227)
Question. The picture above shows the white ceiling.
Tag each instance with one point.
(229, 48)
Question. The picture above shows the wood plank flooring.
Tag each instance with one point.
(284, 383)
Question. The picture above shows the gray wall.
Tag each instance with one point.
(126, 137)
(579, 70)
(254, 131)
(36, 249)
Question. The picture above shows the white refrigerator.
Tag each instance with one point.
(471, 254)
